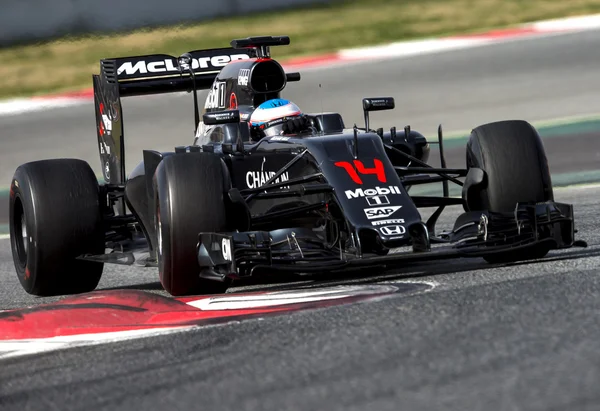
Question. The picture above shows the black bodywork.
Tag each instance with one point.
(333, 197)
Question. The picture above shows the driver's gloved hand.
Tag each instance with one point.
(296, 125)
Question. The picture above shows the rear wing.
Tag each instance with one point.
(159, 73)
(143, 75)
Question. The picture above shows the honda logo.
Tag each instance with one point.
(391, 230)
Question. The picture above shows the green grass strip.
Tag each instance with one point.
(66, 64)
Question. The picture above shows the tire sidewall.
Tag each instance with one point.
(20, 197)
(163, 232)
(495, 150)
(179, 218)
(60, 201)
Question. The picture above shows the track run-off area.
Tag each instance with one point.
(462, 335)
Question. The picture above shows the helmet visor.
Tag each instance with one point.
(275, 130)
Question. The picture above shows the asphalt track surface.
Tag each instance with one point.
(522, 336)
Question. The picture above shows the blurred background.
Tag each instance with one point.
(51, 48)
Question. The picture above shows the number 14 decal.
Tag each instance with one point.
(359, 167)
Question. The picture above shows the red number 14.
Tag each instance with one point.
(359, 167)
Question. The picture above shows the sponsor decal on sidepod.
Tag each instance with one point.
(256, 179)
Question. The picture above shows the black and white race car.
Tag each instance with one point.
(315, 197)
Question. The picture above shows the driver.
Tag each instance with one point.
(278, 117)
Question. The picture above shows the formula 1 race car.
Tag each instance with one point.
(233, 204)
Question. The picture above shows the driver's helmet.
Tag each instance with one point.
(268, 118)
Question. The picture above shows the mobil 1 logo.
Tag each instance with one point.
(372, 192)
(375, 196)
(377, 200)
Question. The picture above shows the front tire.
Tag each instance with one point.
(54, 218)
(190, 190)
(512, 156)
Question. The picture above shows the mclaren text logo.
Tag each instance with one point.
(170, 65)
(381, 212)
(370, 192)
(393, 230)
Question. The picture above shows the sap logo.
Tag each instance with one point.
(243, 77)
(381, 212)
(170, 65)
(256, 179)
(370, 192)
(386, 222)
(391, 230)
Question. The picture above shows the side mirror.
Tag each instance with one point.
(221, 117)
(376, 104)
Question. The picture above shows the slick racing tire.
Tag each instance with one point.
(189, 198)
(54, 218)
(513, 158)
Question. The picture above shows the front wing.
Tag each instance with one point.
(480, 234)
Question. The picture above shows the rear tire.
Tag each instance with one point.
(54, 218)
(190, 190)
(512, 156)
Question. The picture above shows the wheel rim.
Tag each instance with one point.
(20, 238)
(24, 237)
(159, 232)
